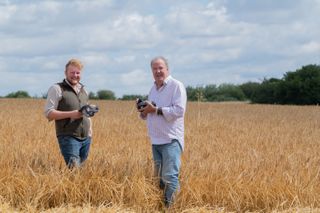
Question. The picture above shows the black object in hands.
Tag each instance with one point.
(89, 110)
(141, 104)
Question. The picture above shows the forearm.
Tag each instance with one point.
(90, 128)
(58, 115)
(172, 112)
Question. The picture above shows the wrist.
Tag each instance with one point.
(142, 115)
(159, 111)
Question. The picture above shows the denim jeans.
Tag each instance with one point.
(167, 163)
(73, 150)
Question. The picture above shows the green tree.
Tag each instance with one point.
(195, 94)
(18, 94)
(268, 92)
(249, 89)
(44, 95)
(133, 97)
(302, 87)
(210, 92)
(230, 92)
(224, 92)
(106, 95)
(92, 96)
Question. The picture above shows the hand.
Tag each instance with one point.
(149, 108)
(143, 115)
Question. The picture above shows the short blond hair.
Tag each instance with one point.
(74, 62)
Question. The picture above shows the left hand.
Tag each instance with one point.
(150, 108)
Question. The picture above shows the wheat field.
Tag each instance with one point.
(238, 157)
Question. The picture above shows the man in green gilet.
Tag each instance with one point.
(73, 130)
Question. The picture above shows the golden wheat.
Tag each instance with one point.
(238, 157)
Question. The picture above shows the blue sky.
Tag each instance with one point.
(206, 42)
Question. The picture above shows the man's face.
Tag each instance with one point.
(73, 74)
(160, 71)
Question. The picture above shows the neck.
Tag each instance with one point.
(74, 86)
(159, 84)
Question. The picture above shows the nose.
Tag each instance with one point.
(76, 74)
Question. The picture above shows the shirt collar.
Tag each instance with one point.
(165, 82)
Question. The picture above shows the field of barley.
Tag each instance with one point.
(238, 157)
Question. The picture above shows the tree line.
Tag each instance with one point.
(300, 87)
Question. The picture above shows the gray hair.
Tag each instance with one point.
(160, 58)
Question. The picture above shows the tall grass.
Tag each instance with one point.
(238, 157)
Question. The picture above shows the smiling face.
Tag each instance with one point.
(73, 71)
(160, 71)
(73, 74)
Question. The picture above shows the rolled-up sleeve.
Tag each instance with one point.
(178, 107)
(53, 98)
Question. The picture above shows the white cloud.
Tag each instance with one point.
(51, 65)
(6, 12)
(125, 59)
(3, 66)
(86, 6)
(132, 31)
(94, 59)
(216, 11)
(209, 41)
(226, 55)
(135, 77)
(312, 47)
(206, 20)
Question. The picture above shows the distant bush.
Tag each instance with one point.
(267, 92)
(18, 94)
(195, 94)
(132, 97)
(106, 95)
(229, 92)
(93, 96)
(301, 87)
(224, 92)
(249, 89)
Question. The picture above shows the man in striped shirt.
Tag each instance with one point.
(164, 112)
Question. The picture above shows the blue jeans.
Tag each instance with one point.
(73, 150)
(167, 163)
